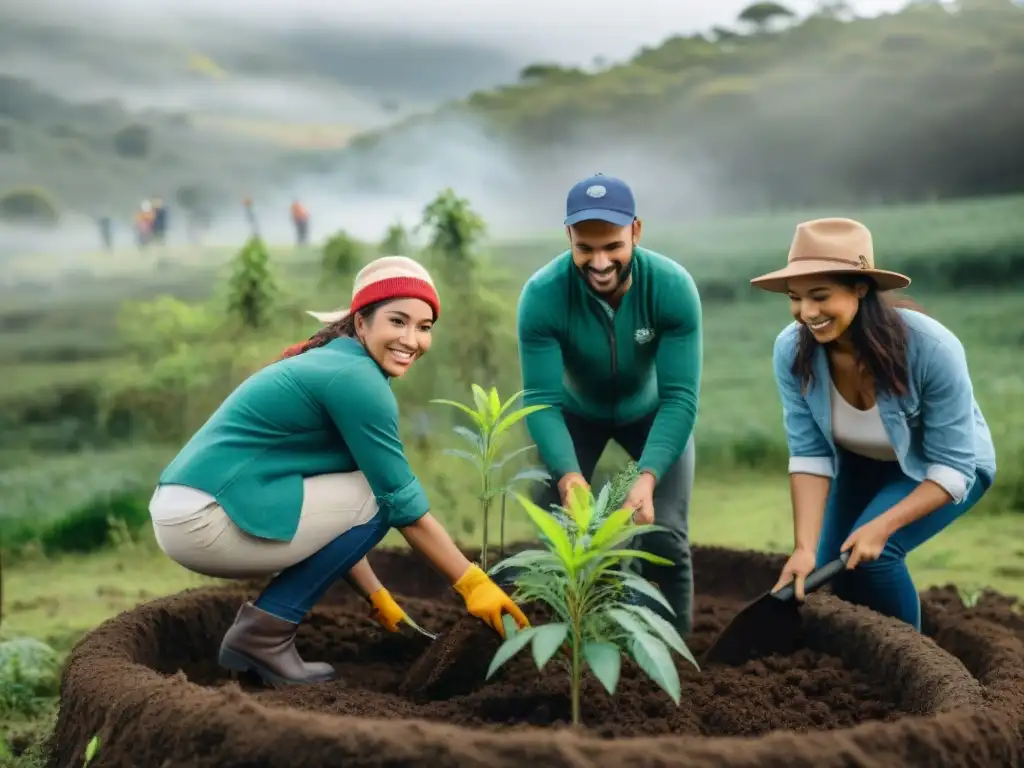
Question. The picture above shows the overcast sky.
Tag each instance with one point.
(563, 30)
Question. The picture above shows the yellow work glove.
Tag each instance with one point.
(387, 612)
(487, 601)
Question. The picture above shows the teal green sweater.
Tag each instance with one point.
(612, 366)
(327, 410)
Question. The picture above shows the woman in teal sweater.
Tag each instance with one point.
(301, 471)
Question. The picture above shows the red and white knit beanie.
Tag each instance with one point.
(389, 277)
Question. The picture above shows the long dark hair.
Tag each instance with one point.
(344, 327)
(879, 338)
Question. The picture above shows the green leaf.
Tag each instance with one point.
(624, 553)
(653, 657)
(471, 436)
(650, 653)
(474, 460)
(529, 557)
(605, 662)
(530, 473)
(644, 587)
(465, 409)
(581, 502)
(546, 641)
(613, 525)
(508, 403)
(666, 631)
(494, 404)
(601, 505)
(515, 417)
(483, 405)
(549, 527)
(91, 749)
(509, 624)
(499, 463)
(510, 648)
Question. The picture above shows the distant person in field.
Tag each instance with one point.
(159, 227)
(887, 443)
(300, 219)
(301, 472)
(610, 336)
(144, 224)
(106, 225)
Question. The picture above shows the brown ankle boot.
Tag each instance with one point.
(262, 643)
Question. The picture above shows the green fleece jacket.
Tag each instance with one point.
(612, 366)
(327, 410)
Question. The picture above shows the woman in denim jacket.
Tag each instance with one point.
(887, 444)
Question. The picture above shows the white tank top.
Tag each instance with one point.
(860, 432)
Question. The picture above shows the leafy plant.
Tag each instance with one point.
(579, 576)
(252, 287)
(493, 420)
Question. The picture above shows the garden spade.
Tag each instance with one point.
(407, 621)
(770, 624)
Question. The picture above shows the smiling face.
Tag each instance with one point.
(602, 252)
(397, 333)
(825, 305)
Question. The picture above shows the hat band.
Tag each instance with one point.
(861, 264)
(397, 288)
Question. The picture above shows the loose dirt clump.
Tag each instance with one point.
(861, 690)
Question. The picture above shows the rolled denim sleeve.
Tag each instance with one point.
(809, 449)
(947, 413)
(363, 407)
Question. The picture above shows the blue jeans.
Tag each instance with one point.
(864, 490)
(295, 590)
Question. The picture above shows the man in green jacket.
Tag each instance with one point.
(610, 337)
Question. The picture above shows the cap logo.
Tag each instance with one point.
(596, 191)
(863, 262)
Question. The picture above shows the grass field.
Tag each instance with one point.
(63, 344)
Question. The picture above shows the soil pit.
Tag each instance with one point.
(145, 679)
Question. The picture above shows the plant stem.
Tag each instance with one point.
(487, 515)
(576, 678)
(501, 534)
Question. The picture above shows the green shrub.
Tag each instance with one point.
(90, 527)
(29, 676)
(29, 206)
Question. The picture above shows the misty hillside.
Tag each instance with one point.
(98, 115)
(922, 104)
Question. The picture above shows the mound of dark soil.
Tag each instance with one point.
(861, 691)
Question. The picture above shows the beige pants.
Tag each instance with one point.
(194, 531)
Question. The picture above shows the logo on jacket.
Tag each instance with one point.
(644, 335)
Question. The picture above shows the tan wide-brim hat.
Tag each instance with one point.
(831, 246)
(389, 277)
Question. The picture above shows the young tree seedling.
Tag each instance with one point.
(493, 420)
(580, 577)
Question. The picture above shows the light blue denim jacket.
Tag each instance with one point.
(936, 429)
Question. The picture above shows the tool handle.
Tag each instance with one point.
(816, 579)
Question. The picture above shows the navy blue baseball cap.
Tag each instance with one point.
(600, 197)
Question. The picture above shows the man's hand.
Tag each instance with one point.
(641, 499)
(567, 483)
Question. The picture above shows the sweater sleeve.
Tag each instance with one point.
(540, 359)
(678, 363)
(363, 407)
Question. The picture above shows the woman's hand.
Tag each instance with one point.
(866, 543)
(487, 601)
(796, 570)
(387, 612)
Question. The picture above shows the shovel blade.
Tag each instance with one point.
(767, 626)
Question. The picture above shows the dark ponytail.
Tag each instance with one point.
(344, 327)
(879, 338)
